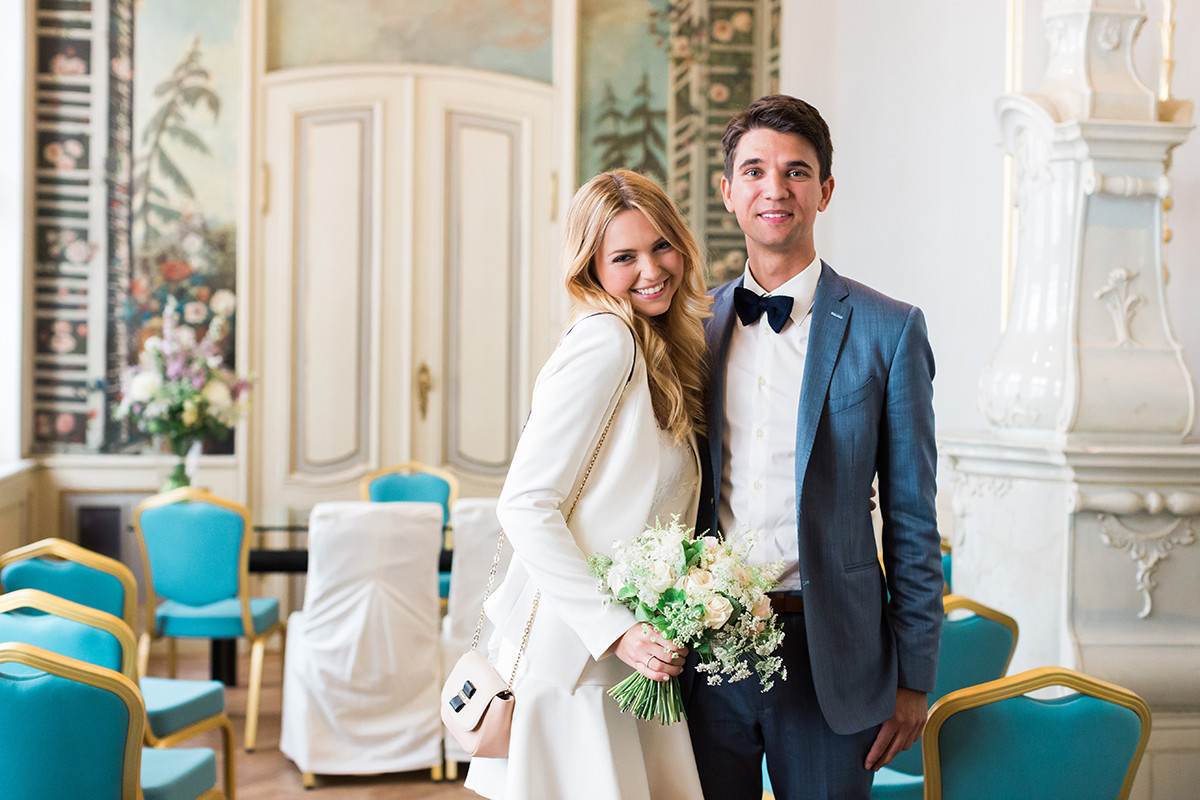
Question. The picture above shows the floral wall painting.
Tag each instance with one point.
(76, 80)
(658, 81)
(184, 189)
(507, 36)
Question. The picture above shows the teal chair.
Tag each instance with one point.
(993, 742)
(176, 710)
(196, 550)
(977, 646)
(413, 481)
(93, 638)
(947, 569)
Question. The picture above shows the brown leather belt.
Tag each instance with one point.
(787, 603)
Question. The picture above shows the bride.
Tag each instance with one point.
(633, 354)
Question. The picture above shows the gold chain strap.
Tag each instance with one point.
(500, 547)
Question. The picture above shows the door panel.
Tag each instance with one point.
(401, 309)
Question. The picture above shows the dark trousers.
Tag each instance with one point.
(733, 724)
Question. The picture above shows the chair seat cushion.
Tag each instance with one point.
(220, 620)
(172, 705)
(893, 784)
(175, 773)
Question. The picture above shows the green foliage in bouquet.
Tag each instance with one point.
(699, 593)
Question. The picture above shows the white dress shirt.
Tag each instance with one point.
(763, 375)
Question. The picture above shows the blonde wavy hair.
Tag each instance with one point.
(673, 342)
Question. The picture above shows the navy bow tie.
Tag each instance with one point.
(750, 305)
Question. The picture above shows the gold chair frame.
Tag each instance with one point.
(59, 606)
(258, 642)
(1015, 686)
(69, 551)
(364, 487)
(956, 602)
(100, 678)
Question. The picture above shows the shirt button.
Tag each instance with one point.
(762, 381)
(758, 484)
(759, 433)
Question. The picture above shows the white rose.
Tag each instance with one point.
(698, 580)
(660, 576)
(194, 312)
(218, 395)
(143, 386)
(762, 608)
(615, 581)
(223, 302)
(716, 611)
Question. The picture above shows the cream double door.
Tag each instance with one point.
(404, 293)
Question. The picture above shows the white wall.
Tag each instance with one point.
(908, 90)
(12, 227)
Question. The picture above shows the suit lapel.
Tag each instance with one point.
(717, 332)
(830, 316)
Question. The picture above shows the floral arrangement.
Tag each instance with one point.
(179, 389)
(699, 593)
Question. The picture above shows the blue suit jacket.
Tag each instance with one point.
(866, 407)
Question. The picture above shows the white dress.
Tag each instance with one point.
(578, 744)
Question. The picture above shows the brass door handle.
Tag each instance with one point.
(424, 387)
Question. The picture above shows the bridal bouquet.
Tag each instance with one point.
(699, 593)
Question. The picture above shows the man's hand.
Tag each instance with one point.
(899, 732)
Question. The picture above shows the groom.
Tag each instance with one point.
(817, 384)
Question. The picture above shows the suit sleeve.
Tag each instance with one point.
(907, 488)
(572, 401)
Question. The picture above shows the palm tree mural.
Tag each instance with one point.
(634, 139)
(188, 86)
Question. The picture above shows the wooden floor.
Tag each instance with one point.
(267, 775)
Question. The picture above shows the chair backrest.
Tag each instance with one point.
(70, 629)
(476, 534)
(70, 729)
(412, 481)
(947, 568)
(65, 569)
(372, 586)
(977, 645)
(993, 742)
(196, 549)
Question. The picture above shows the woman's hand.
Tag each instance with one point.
(643, 648)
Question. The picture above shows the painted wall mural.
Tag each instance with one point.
(185, 178)
(80, 210)
(507, 36)
(659, 79)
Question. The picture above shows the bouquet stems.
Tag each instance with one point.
(647, 699)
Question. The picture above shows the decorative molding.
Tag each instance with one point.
(1095, 182)
(1008, 411)
(1031, 166)
(1179, 503)
(460, 452)
(1108, 32)
(1147, 549)
(1121, 303)
(966, 488)
(357, 271)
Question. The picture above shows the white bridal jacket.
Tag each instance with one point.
(567, 733)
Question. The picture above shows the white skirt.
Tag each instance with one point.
(572, 744)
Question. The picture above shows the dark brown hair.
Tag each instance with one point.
(785, 114)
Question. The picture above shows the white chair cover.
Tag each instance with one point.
(476, 532)
(361, 670)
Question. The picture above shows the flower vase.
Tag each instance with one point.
(187, 455)
(178, 477)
